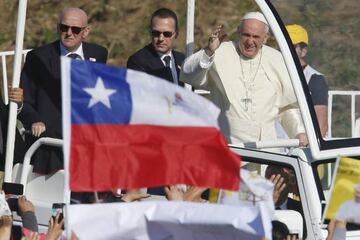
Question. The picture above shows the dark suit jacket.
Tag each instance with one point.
(40, 79)
(147, 60)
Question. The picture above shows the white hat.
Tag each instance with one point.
(255, 15)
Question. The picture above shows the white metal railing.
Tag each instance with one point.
(355, 123)
(26, 164)
(42, 190)
(279, 143)
(3, 56)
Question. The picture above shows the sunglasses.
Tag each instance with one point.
(74, 30)
(166, 34)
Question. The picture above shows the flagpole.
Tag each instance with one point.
(190, 20)
(66, 129)
(10, 146)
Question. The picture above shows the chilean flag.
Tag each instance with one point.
(127, 129)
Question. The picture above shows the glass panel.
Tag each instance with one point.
(333, 49)
(324, 174)
(278, 174)
(286, 194)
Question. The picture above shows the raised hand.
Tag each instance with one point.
(279, 187)
(193, 194)
(55, 228)
(173, 193)
(215, 39)
(134, 195)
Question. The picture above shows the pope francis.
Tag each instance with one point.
(248, 81)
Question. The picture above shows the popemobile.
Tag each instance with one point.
(313, 168)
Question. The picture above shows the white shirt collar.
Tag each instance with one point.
(162, 55)
(79, 51)
(172, 65)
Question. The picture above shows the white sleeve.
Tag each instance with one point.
(195, 69)
(290, 119)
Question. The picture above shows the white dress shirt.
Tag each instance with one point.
(172, 65)
(79, 51)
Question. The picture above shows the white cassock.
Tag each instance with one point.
(251, 93)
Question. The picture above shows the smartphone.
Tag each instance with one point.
(16, 189)
(58, 208)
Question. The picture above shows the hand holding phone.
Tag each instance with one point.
(57, 213)
(55, 227)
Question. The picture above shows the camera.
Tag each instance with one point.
(13, 190)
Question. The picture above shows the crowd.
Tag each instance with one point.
(29, 230)
(247, 80)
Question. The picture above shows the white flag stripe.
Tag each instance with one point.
(159, 102)
(161, 220)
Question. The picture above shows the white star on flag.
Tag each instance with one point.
(99, 94)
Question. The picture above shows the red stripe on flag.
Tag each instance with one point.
(104, 157)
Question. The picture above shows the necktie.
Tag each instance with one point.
(167, 60)
(73, 56)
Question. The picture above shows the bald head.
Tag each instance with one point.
(72, 27)
(81, 14)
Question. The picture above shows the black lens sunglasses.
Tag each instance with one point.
(166, 34)
(74, 30)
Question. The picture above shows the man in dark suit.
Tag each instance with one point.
(41, 82)
(158, 58)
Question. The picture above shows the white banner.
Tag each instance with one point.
(165, 220)
(255, 193)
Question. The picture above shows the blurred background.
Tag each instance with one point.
(122, 27)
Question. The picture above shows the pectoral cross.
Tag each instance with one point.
(246, 100)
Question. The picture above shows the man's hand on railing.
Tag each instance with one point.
(38, 128)
(303, 140)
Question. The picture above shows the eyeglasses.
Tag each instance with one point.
(166, 34)
(74, 30)
(301, 45)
